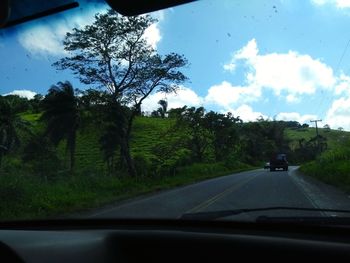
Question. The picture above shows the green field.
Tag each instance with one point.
(334, 137)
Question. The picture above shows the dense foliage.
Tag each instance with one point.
(181, 137)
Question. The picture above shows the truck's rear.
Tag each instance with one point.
(279, 161)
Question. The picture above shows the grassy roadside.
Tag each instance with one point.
(23, 197)
(332, 167)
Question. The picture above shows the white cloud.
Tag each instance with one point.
(184, 96)
(230, 67)
(152, 35)
(338, 3)
(295, 116)
(249, 51)
(22, 93)
(42, 40)
(159, 15)
(343, 85)
(291, 98)
(246, 113)
(45, 38)
(339, 114)
(224, 94)
(343, 3)
(320, 2)
(291, 73)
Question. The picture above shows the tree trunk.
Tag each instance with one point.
(125, 147)
(198, 151)
(125, 152)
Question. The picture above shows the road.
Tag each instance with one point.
(251, 189)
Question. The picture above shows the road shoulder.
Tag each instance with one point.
(320, 194)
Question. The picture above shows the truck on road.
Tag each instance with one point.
(279, 161)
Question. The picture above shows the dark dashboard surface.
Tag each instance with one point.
(135, 241)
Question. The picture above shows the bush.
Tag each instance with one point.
(232, 160)
(332, 167)
(143, 165)
(40, 157)
(11, 166)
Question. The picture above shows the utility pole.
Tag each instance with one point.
(318, 141)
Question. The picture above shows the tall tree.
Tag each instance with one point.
(61, 114)
(327, 128)
(224, 132)
(112, 53)
(10, 124)
(163, 107)
(162, 110)
(113, 123)
(18, 104)
(192, 122)
(35, 103)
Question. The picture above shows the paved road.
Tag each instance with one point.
(252, 189)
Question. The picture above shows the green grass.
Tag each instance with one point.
(24, 197)
(332, 167)
(148, 132)
(31, 117)
(335, 138)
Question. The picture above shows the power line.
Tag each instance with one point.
(319, 111)
(342, 56)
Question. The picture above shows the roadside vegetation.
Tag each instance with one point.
(332, 167)
(184, 146)
(72, 149)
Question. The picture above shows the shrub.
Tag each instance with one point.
(143, 165)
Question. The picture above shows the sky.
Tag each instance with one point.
(279, 59)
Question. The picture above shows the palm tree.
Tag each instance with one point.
(61, 114)
(10, 124)
(164, 107)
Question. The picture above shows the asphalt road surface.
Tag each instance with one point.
(252, 189)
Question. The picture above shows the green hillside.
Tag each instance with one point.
(149, 132)
(334, 137)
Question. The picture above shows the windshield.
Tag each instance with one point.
(202, 108)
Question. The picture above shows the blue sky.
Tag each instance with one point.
(283, 59)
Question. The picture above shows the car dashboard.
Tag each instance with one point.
(167, 241)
